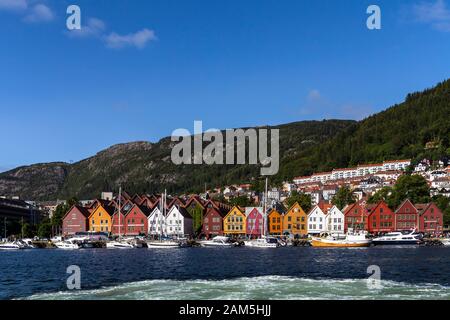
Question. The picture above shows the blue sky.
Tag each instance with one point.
(140, 69)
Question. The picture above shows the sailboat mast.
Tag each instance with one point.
(265, 210)
(120, 197)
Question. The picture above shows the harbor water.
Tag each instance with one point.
(228, 273)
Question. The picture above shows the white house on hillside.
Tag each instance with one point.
(179, 222)
(316, 221)
(335, 221)
(156, 222)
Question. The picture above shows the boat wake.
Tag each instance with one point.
(255, 288)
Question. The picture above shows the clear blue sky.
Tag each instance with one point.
(140, 69)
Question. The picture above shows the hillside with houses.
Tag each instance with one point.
(417, 130)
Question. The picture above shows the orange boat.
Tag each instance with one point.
(350, 240)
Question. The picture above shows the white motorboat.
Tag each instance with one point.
(218, 241)
(445, 241)
(398, 238)
(28, 243)
(10, 246)
(118, 245)
(67, 244)
(263, 242)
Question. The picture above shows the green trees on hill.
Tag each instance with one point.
(304, 200)
(343, 197)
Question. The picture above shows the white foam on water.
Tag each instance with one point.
(255, 288)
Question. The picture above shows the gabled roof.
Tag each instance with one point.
(196, 199)
(83, 210)
(181, 210)
(273, 210)
(422, 207)
(109, 209)
(213, 209)
(249, 210)
(136, 199)
(241, 211)
(314, 208)
(403, 203)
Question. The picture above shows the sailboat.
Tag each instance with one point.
(264, 241)
(162, 242)
(119, 244)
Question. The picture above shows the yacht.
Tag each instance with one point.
(67, 244)
(263, 242)
(398, 238)
(349, 240)
(118, 245)
(10, 246)
(164, 243)
(218, 241)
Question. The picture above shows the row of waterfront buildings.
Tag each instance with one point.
(143, 215)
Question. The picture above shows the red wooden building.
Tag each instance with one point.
(213, 222)
(406, 217)
(381, 218)
(76, 220)
(430, 219)
(356, 216)
(136, 220)
(254, 222)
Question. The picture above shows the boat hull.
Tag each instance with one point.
(340, 244)
(162, 245)
(395, 242)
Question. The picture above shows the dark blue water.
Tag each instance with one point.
(27, 272)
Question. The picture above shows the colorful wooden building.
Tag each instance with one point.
(100, 220)
(295, 221)
(356, 216)
(381, 218)
(136, 220)
(213, 222)
(76, 220)
(316, 221)
(254, 225)
(234, 222)
(406, 217)
(430, 219)
(275, 221)
(335, 220)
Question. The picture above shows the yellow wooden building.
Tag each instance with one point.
(275, 220)
(100, 219)
(295, 221)
(234, 222)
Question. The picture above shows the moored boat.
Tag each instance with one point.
(445, 241)
(163, 244)
(349, 240)
(263, 242)
(67, 244)
(10, 246)
(118, 245)
(218, 241)
(399, 238)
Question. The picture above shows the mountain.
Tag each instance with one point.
(416, 128)
(147, 167)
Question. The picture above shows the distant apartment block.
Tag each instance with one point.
(359, 171)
